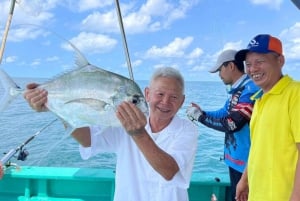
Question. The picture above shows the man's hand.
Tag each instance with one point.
(242, 188)
(193, 112)
(132, 119)
(36, 97)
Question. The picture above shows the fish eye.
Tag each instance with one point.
(135, 99)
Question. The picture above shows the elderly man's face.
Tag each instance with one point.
(165, 97)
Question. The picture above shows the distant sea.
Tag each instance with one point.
(53, 147)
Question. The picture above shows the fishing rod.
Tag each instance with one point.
(23, 153)
(124, 39)
(8, 22)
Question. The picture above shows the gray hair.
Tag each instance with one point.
(170, 73)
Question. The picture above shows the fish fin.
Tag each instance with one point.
(66, 124)
(80, 59)
(68, 127)
(11, 89)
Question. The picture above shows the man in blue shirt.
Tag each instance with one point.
(233, 117)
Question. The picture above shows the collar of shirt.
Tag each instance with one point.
(276, 89)
(172, 128)
(239, 84)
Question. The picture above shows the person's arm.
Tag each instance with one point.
(161, 161)
(134, 122)
(242, 188)
(82, 136)
(296, 190)
(234, 121)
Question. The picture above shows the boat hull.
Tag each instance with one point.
(89, 184)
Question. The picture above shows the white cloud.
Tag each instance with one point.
(84, 5)
(25, 32)
(51, 59)
(92, 43)
(36, 62)
(11, 59)
(229, 45)
(34, 11)
(291, 41)
(152, 16)
(198, 68)
(101, 22)
(174, 49)
(137, 63)
(233, 45)
(195, 54)
(275, 4)
(208, 60)
(134, 64)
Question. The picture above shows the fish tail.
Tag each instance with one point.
(11, 90)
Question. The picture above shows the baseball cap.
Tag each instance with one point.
(226, 55)
(262, 43)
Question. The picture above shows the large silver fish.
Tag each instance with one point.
(85, 96)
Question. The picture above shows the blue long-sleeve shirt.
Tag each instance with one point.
(233, 119)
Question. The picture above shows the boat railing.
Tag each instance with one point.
(89, 184)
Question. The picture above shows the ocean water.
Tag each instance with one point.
(53, 147)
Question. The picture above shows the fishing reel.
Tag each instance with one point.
(23, 153)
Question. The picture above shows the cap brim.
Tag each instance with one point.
(241, 55)
(214, 69)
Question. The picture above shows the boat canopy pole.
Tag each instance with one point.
(23, 153)
(124, 39)
(297, 3)
(8, 22)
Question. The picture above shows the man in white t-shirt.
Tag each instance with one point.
(155, 154)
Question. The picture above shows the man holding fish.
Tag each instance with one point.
(155, 153)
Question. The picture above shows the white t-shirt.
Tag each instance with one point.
(135, 179)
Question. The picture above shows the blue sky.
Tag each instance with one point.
(185, 34)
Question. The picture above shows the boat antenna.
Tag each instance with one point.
(124, 39)
(8, 22)
(22, 152)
